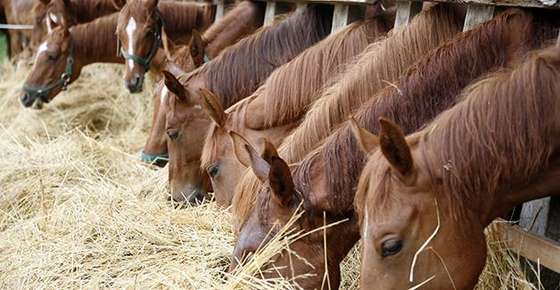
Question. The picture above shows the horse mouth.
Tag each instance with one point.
(192, 197)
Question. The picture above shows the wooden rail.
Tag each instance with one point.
(536, 248)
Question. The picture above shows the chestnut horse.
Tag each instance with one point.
(61, 57)
(424, 201)
(242, 20)
(142, 29)
(275, 108)
(416, 98)
(235, 74)
(383, 60)
(17, 12)
(66, 13)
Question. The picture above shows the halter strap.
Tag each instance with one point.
(160, 159)
(145, 61)
(42, 92)
(206, 58)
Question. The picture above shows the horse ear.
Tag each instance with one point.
(197, 45)
(213, 107)
(367, 141)
(281, 182)
(260, 167)
(239, 150)
(394, 147)
(174, 86)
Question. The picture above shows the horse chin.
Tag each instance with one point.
(37, 104)
(191, 196)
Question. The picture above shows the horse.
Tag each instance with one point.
(67, 13)
(17, 12)
(142, 29)
(235, 74)
(383, 60)
(276, 108)
(416, 98)
(242, 20)
(424, 200)
(61, 57)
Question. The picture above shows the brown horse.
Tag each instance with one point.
(244, 19)
(142, 29)
(235, 74)
(384, 60)
(416, 98)
(424, 201)
(66, 13)
(17, 12)
(61, 57)
(275, 108)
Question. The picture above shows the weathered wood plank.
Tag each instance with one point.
(406, 11)
(477, 14)
(534, 216)
(270, 12)
(340, 17)
(220, 9)
(537, 249)
(555, 4)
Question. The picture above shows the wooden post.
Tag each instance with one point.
(534, 215)
(270, 12)
(300, 6)
(406, 10)
(340, 17)
(220, 7)
(477, 14)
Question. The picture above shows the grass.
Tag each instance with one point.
(78, 210)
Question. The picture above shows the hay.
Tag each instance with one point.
(77, 210)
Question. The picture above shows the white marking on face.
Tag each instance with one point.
(164, 93)
(130, 28)
(42, 48)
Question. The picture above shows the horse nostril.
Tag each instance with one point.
(26, 100)
(173, 134)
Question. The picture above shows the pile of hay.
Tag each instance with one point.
(77, 209)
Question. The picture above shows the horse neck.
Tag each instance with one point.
(182, 17)
(241, 21)
(86, 11)
(96, 41)
(493, 148)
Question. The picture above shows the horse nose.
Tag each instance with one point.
(134, 85)
(27, 100)
(173, 134)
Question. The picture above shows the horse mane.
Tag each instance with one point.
(507, 115)
(96, 37)
(240, 69)
(381, 63)
(291, 88)
(382, 60)
(243, 19)
(86, 11)
(419, 96)
(181, 17)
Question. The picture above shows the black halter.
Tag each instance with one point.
(42, 92)
(145, 61)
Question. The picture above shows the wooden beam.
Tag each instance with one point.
(477, 14)
(220, 8)
(270, 12)
(505, 3)
(406, 11)
(534, 216)
(340, 17)
(535, 248)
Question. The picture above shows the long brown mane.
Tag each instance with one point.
(240, 69)
(230, 28)
(383, 60)
(379, 65)
(507, 115)
(420, 96)
(97, 38)
(180, 16)
(292, 87)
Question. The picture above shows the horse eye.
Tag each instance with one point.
(391, 247)
(212, 170)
